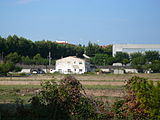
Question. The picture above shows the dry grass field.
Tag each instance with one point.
(106, 86)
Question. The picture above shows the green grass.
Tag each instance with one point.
(8, 97)
(102, 87)
(11, 98)
(9, 93)
(25, 79)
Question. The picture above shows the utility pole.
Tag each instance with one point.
(49, 58)
(2, 56)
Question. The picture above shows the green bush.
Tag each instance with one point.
(5, 68)
(145, 95)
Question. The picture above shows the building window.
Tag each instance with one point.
(68, 62)
(74, 69)
(59, 70)
(80, 62)
(69, 70)
(80, 70)
(74, 62)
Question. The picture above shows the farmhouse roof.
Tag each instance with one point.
(70, 57)
(114, 67)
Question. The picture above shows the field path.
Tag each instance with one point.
(110, 77)
(39, 82)
(20, 82)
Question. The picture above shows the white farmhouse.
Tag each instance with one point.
(72, 65)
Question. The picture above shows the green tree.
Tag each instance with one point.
(155, 66)
(107, 50)
(100, 59)
(120, 56)
(111, 60)
(58, 50)
(20, 45)
(5, 68)
(12, 44)
(92, 49)
(125, 61)
(138, 61)
(135, 55)
(2, 45)
(38, 60)
(152, 55)
(13, 57)
(26, 47)
(26, 60)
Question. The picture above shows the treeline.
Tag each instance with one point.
(25, 47)
(36, 60)
(28, 49)
(136, 58)
(150, 60)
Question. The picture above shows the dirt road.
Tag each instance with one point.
(39, 82)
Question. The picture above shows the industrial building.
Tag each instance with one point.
(132, 48)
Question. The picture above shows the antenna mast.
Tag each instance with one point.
(49, 58)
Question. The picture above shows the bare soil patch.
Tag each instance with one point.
(113, 93)
(102, 83)
(85, 77)
(39, 82)
(20, 82)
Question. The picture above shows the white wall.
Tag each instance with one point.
(131, 70)
(118, 71)
(105, 70)
(75, 65)
(25, 71)
(134, 48)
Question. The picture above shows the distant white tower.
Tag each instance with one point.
(49, 58)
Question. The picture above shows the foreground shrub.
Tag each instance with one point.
(147, 95)
(141, 102)
(66, 101)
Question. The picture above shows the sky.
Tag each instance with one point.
(79, 21)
